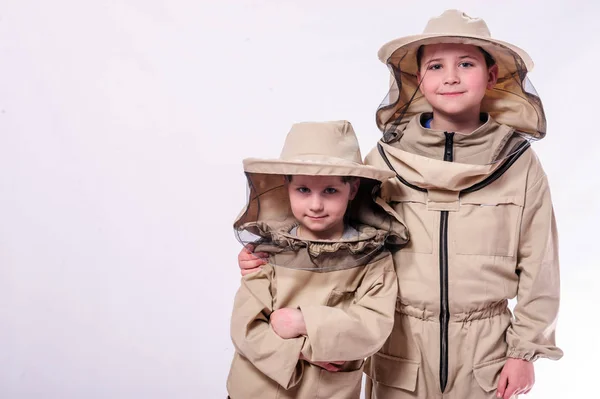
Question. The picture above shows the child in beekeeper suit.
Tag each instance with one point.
(303, 325)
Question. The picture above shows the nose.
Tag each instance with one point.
(451, 76)
(316, 203)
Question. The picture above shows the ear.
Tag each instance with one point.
(354, 185)
(492, 76)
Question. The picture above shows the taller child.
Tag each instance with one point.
(474, 196)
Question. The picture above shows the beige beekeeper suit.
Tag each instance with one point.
(345, 289)
(481, 225)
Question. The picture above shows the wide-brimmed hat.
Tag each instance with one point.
(454, 26)
(319, 149)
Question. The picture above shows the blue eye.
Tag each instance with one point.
(465, 64)
(303, 190)
(330, 190)
(434, 66)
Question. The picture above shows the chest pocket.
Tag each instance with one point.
(420, 222)
(487, 226)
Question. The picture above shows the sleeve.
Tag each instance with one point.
(360, 330)
(253, 337)
(531, 334)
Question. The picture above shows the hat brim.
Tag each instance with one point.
(388, 49)
(317, 168)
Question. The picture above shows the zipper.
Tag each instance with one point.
(449, 147)
(500, 171)
(444, 308)
(388, 163)
(478, 186)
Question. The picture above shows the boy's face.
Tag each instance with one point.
(454, 77)
(319, 204)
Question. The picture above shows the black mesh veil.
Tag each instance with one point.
(268, 224)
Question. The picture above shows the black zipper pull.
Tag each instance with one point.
(449, 147)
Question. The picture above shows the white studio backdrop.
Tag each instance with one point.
(122, 129)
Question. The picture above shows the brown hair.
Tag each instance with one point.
(345, 179)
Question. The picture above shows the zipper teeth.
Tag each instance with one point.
(444, 308)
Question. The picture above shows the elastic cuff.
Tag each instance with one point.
(516, 354)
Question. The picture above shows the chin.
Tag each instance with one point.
(318, 229)
(453, 113)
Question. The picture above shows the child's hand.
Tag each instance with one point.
(517, 377)
(329, 366)
(250, 262)
(288, 323)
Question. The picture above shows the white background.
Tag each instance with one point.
(122, 129)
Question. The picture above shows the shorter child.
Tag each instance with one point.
(303, 325)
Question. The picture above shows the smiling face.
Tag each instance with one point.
(319, 204)
(454, 78)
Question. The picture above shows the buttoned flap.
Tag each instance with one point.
(393, 371)
(487, 225)
(412, 210)
(487, 374)
(443, 200)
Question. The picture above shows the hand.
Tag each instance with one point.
(517, 377)
(288, 323)
(329, 366)
(250, 262)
